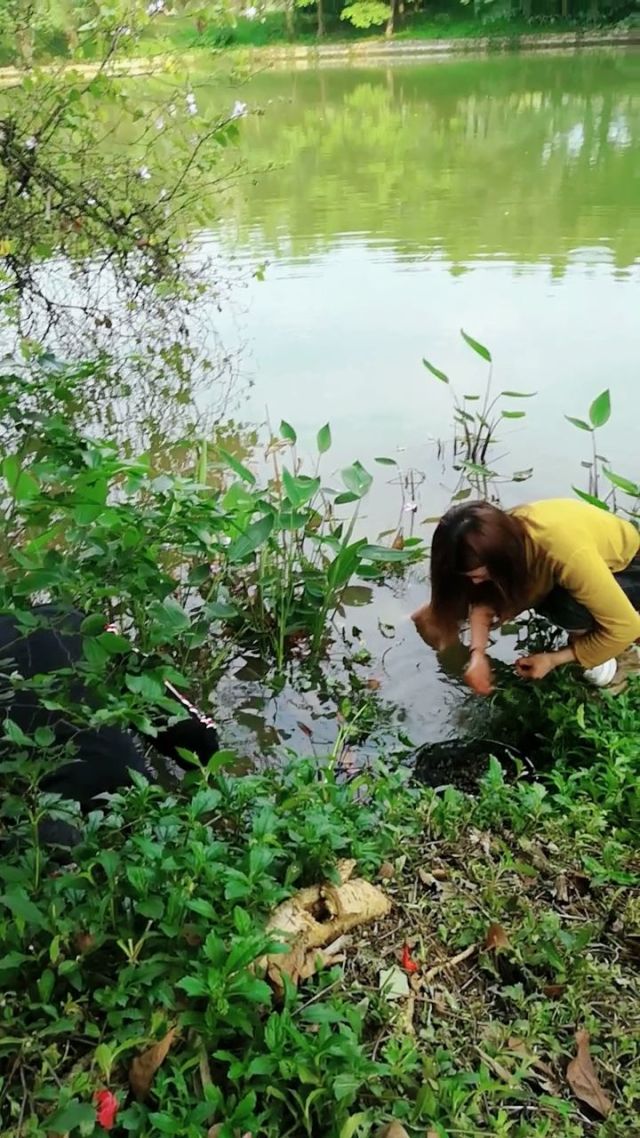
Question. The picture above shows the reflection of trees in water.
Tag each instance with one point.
(102, 184)
(523, 158)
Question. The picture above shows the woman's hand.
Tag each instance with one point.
(478, 673)
(536, 667)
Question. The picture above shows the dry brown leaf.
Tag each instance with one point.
(398, 541)
(83, 942)
(582, 1078)
(386, 871)
(393, 1130)
(144, 1066)
(315, 917)
(496, 938)
(554, 991)
(373, 684)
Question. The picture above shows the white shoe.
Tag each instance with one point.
(602, 675)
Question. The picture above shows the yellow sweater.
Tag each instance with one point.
(580, 547)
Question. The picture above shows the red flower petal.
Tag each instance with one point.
(406, 960)
(106, 1108)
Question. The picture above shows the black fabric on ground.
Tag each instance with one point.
(100, 759)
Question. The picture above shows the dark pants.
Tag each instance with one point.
(561, 609)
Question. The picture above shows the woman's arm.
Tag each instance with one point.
(588, 578)
(478, 673)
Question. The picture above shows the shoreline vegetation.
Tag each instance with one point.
(155, 55)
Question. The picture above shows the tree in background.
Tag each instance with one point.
(103, 181)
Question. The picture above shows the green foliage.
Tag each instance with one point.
(477, 418)
(264, 561)
(366, 13)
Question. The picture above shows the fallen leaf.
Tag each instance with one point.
(398, 541)
(582, 1078)
(393, 983)
(83, 942)
(386, 871)
(496, 938)
(144, 1066)
(393, 1130)
(373, 684)
(554, 991)
(406, 960)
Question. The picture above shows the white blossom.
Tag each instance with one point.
(144, 173)
(192, 106)
(250, 13)
(31, 142)
(238, 110)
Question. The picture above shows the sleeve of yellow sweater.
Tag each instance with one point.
(588, 578)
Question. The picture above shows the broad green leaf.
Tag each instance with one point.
(299, 488)
(17, 901)
(352, 1124)
(87, 513)
(15, 734)
(357, 479)
(255, 535)
(324, 439)
(71, 1116)
(386, 461)
(476, 346)
(381, 553)
(344, 565)
(150, 687)
(94, 653)
(600, 409)
(580, 423)
(93, 625)
(513, 414)
(217, 610)
(346, 499)
(518, 394)
(346, 1085)
(115, 644)
(436, 371)
(22, 485)
(238, 467)
(288, 433)
(522, 475)
(593, 501)
(624, 484)
(170, 617)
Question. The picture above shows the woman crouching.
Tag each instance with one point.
(573, 563)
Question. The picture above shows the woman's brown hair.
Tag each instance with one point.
(468, 537)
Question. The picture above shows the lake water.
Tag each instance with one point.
(393, 206)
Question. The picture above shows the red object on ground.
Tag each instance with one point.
(106, 1108)
(406, 960)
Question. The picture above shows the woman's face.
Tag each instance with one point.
(478, 576)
